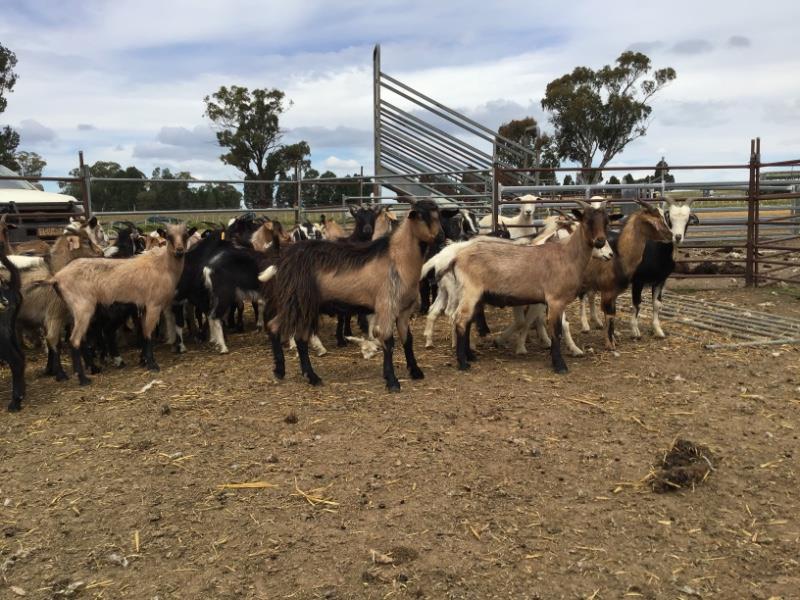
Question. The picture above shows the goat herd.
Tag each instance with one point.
(438, 259)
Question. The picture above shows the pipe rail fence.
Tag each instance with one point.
(750, 225)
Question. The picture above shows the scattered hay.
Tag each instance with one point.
(684, 465)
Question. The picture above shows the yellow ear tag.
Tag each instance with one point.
(223, 236)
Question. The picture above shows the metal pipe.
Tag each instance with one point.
(752, 343)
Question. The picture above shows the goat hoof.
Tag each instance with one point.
(560, 369)
(341, 343)
(416, 373)
(61, 376)
(429, 344)
(15, 406)
(659, 334)
(82, 381)
(472, 357)
(393, 386)
(314, 380)
(464, 367)
(279, 373)
(95, 370)
(153, 367)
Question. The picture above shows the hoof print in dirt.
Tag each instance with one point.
(683, 466)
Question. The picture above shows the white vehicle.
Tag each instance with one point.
(36, 213)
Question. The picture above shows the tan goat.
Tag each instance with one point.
(147, 280)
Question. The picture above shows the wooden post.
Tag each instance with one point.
(297, 195)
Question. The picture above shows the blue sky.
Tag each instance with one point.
(124, 81)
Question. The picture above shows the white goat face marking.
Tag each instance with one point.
(679, 219)
(604, 253)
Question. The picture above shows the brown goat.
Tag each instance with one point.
(264, 237)
(148, 280)
(612, 278)
(507, 274)
(331, 230)
(385, 221)
(379, 276)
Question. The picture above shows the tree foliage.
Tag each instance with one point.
(8, 60)
(9, 139)
(151, 195)
(248, 125)
(30, 163)
(526, 133)
(603, 111)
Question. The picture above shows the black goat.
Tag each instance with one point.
(10, 350)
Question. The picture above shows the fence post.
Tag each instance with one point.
(495, 195)
(86, 185)
(297, 195)
(749, 269)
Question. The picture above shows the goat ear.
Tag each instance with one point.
(353, 209)
(616, 217)
(577, 213)
(694, 219)
(161, 232)
(413, 214)
(191, 232)
(93, 222)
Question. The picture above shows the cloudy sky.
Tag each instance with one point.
(125, 80)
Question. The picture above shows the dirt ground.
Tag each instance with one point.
(504, 482)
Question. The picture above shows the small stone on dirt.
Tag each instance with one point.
(291, 418)
(272, 459)
(118, 559)
(165, 409)
(18, 590)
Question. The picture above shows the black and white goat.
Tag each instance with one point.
(658, 262)
(10, 350)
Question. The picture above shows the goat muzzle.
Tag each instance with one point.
(179, 253)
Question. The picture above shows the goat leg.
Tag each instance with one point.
(348, 331)
(555, 329)
(610, 309)
(636, 301)
(658, 289)
(407, 338)
(462, 342)
(149, 357)
(340, 328)
(77, 366)
(279, 369)
(363, 323)
(480, 321)
(305, 362)
(392, 384)
(16, 360)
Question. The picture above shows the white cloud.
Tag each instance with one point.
(341, 165)
(132, 73)
(31, 132)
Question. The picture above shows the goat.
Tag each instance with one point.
(504, 273)
(306, 231)
(97, 233)
(457, 226)
(265, 235)
(380, 277)
(331, 230)
(385, 221)
(520, 225)
(10, 350)
(148, 281)
(658, 263)
(610, 280)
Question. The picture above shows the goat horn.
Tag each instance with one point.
(584, 205)
(688, 201)
(669, 200)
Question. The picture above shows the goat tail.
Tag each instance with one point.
(267, 273)
(443, 261)
(14, 281)
(298, 296)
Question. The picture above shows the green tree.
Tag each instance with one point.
(568, 180)
(9, 139)
(217, 196)
(248, 126)
(526, 133)
(604, 110)
(109, 195)
(613, 180)
(30, 163)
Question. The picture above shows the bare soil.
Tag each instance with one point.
(504, 482)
